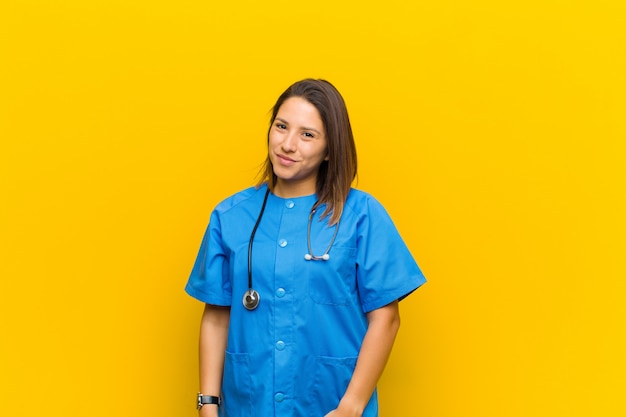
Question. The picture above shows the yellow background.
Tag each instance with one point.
(492, 131)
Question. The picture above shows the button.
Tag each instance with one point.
(289, 204)
(282, 243)
(280, 293)
(279, 397)
(280, 345)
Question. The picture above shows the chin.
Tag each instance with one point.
(282, 172)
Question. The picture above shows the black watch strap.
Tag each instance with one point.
(208, 399)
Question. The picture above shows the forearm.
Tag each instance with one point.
(375, 350)
(213, 339)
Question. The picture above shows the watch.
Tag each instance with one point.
(208, 399)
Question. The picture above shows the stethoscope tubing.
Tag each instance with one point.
(256, 226)
(251, 297)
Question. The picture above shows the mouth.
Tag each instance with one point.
(285, 160)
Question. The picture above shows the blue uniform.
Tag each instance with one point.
(294, 355)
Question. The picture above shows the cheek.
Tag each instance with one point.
(323, 153)
(272, 140)
(318, 156)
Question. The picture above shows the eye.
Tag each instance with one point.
(309, 135)
(281, 126)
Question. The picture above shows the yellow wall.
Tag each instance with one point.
(492, 131)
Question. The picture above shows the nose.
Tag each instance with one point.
(289, 143)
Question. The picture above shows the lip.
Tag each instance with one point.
(285, 160)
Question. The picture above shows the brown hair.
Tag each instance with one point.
(335, 175)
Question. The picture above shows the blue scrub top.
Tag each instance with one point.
(294, 355)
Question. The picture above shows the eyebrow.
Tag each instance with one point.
(303, 128)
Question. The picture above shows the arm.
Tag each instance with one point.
(213, 338)
(375, 350)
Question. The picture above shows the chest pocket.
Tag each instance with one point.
(333, 282)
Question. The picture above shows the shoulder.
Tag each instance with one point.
(361, 202)
(240, 199)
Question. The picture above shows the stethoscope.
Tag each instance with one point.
(251, 297)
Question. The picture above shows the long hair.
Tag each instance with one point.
(335, 175)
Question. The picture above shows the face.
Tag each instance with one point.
(297, 147)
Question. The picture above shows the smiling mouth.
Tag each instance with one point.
(285, 160)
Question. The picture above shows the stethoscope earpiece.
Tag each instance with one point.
(310, 257)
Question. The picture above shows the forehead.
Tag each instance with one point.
(297, 110)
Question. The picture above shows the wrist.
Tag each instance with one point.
(207, 400)
(350, 407)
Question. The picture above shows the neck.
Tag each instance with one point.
(291, 190)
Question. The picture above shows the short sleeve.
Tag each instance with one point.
(209, 280)
(386, 270)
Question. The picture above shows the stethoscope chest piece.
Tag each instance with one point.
(251, 299)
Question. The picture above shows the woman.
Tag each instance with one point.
(300, 276)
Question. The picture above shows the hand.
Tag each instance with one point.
(342, 412)
(208, 410)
